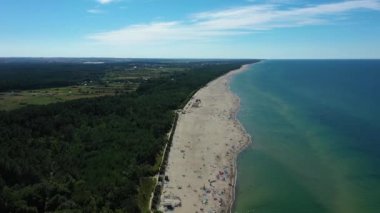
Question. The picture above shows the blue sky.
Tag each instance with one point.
(190, 29)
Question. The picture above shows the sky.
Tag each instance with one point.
(265, 29)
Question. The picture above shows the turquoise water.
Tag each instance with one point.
(316, 136)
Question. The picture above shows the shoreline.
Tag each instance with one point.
(239, 125)
(198, 178)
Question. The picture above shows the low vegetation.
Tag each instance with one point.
(146, 188)
(23, 84)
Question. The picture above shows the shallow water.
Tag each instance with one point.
(315, 128)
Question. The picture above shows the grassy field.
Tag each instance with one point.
(16, 99)
(146, 188)
(116, 80)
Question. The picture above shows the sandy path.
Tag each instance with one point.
(201, 164)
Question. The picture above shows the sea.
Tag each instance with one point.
(315, 128)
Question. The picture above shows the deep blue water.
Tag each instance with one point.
(315, 126)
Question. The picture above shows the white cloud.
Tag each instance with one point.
(234, 21)
(105, 1)
(95, 11)
(158, 32)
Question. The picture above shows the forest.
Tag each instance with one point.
(89, 155)
(20, 76)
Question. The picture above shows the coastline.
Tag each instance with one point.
(246, 134)
(201, 170)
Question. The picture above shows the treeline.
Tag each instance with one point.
(24, 76)
(88, 155)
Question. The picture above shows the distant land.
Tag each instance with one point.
(107, 60)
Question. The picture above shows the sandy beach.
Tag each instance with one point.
(201, 165)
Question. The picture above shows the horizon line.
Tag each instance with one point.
(168, 58)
